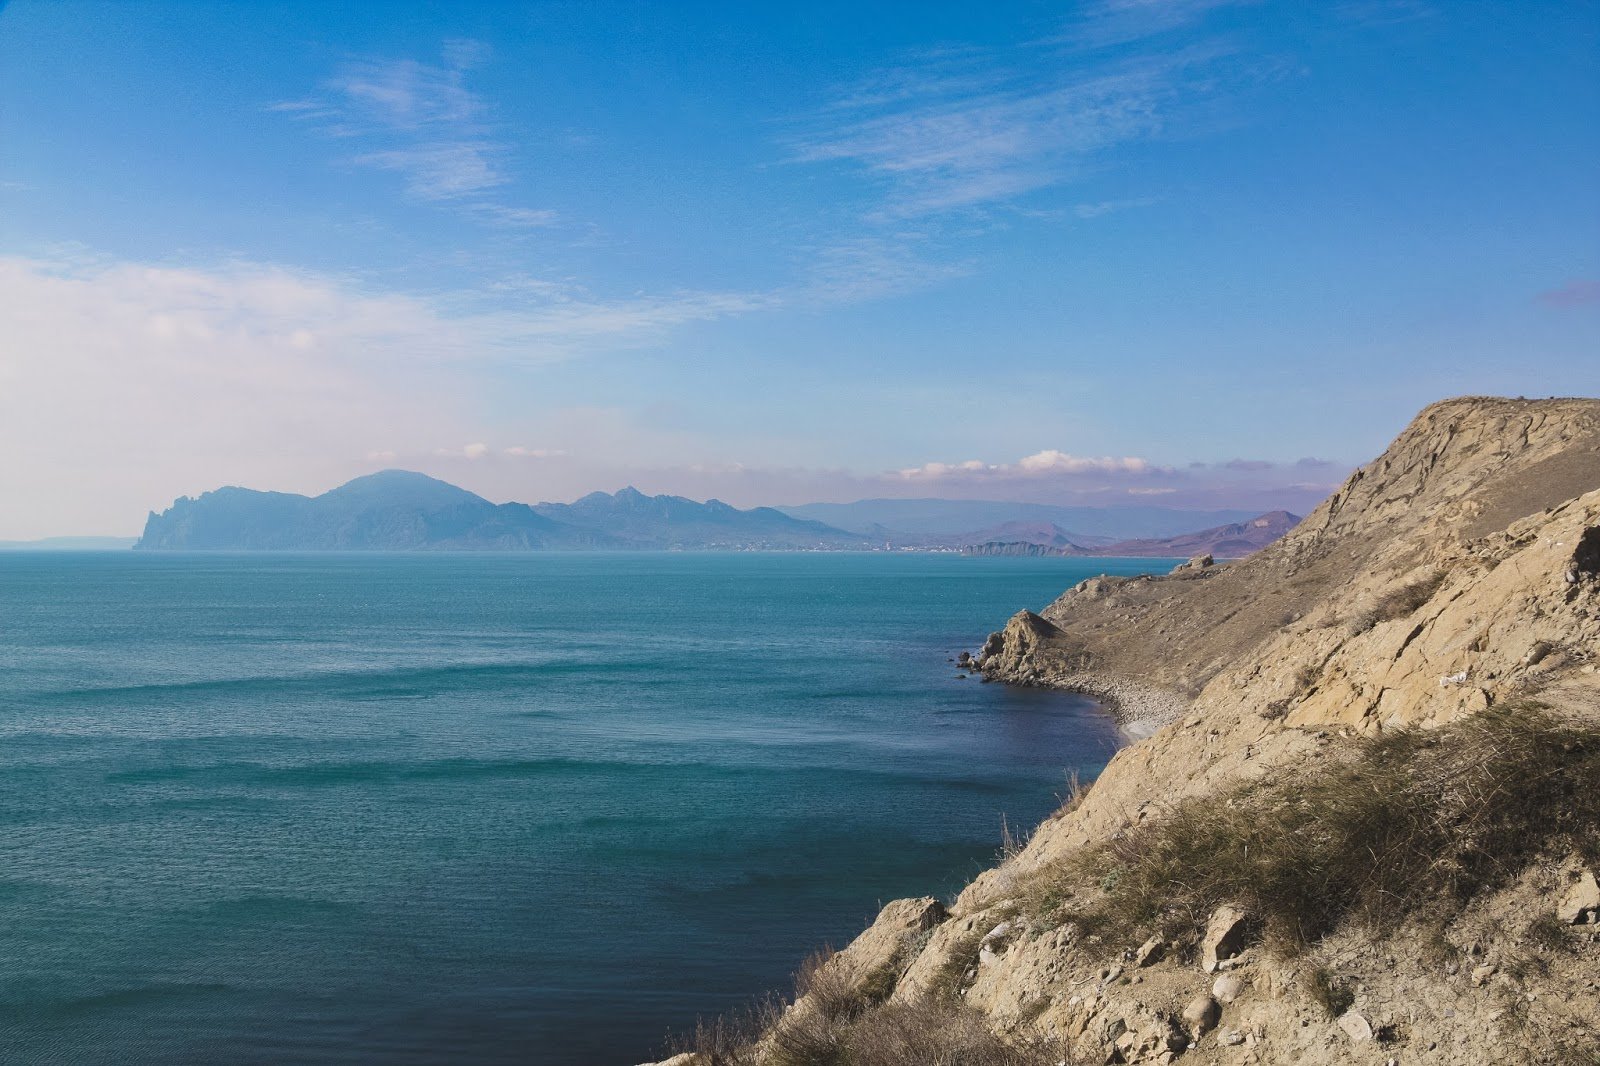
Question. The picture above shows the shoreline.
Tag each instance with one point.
(1138, 709)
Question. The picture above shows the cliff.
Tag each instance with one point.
(1364, 827)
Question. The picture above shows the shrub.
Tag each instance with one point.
(1402, 601)
(1331, 992)
(1398, 824)
(729, 1039)
(1398, 602)
(947, 981)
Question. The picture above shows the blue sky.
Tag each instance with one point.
(1195, 252)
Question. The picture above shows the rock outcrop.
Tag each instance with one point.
(1457, 573)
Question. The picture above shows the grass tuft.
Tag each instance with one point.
(1399, 602)
(1330, 991)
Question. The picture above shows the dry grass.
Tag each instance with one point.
(832, 1024)
(901, 1034)
(1409, 822)
(1330, 991)
(938, 1035)
(1077, 790)
(1399, 602)
(962, 957)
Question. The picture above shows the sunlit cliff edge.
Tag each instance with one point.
(1362, 824)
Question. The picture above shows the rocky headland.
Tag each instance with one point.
(1362, 824)
(1235, 540)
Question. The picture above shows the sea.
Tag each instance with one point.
(486, 808)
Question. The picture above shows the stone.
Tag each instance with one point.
(1224, 937)
(1228, 988)
(1150, 952)
(1581, 902)
(883, 947)
(1355, 1026)
(1201, 1015)
(1481, 974)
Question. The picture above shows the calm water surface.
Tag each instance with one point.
(484, 808)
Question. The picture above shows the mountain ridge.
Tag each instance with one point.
(401, 510)
(929, 520)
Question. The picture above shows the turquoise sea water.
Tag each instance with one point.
(484, 808)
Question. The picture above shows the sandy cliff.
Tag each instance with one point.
(1399, 698)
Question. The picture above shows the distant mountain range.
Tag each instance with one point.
(954, 522)
(1232, 541)
(397, 510)
(68, 544)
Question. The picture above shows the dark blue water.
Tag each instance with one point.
(531, 808)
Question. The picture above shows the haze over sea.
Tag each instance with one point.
(494, 808)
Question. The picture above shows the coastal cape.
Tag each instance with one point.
(1363, 826)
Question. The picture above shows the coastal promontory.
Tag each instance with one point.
(1363, 825)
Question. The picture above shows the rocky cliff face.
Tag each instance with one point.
(1456, 579)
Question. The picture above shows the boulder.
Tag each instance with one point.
(999, 932)
(1201, 1015)
(882, 948)
(1228, 987)
(1355, 1026)
(1224, 937)
(1150, 952)
(1581, 902)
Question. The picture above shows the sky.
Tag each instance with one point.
(1200, 253)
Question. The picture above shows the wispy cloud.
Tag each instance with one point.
(151, 380)
(1107, 207)
(1044, 464)
(962, 129)
(1582, 292)
(442, 171)
(523, 217)
(1380, 13)
(423, 122)
(1122, 21)
(873, 267)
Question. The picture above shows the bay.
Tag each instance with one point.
(535, 808)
